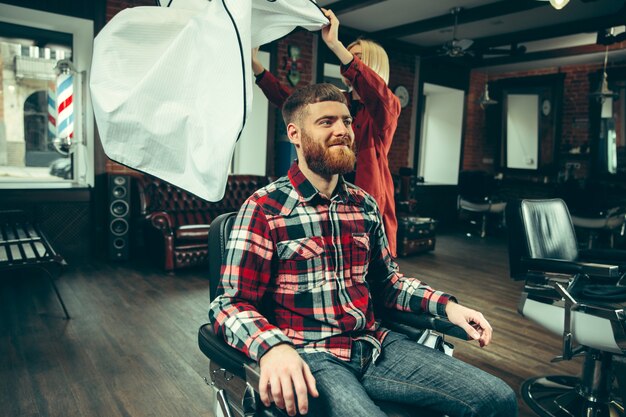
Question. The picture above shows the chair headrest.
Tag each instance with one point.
(539, 229)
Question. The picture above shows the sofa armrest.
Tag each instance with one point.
(162, 221)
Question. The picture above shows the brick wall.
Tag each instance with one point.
(402, 72)
(479, 154)
(476, 150)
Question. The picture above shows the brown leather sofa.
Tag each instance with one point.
(176, 223)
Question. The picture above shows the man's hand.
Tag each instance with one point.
(285, 379)
(472, 321)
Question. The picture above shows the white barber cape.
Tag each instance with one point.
(172, 86)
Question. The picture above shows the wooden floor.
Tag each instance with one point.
(130, 348)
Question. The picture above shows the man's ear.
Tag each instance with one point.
(293, 133)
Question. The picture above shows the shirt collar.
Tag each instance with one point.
(308, 192)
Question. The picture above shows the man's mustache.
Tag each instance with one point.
(345, 142)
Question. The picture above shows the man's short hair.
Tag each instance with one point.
(294, 106)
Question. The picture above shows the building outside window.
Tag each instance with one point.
(43, 101)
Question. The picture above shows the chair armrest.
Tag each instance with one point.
(162, 221)
(414, 323)
(610, 256)
(559, 266)
(228, 357)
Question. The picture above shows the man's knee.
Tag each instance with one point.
(497, 400)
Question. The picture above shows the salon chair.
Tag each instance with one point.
(582, 301)
(478, 194)
(234, 377)
(594, 210)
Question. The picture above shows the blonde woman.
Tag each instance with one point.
(365, 68)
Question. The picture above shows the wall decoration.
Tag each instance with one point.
(293, 65)
(403, 95)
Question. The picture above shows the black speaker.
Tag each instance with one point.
(119, 217)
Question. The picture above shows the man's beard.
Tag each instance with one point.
(326, 161)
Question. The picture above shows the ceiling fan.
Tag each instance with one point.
(456, 47)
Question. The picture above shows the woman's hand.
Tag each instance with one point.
(330, 32)
(257, 67)
(330, 36)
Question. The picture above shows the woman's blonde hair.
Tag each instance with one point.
(374, 56)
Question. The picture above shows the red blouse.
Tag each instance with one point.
(375, 122)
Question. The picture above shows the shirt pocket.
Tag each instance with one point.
(301, 264)
(360, 254)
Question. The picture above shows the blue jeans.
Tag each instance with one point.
(407, 373)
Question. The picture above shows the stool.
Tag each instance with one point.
(24, 245)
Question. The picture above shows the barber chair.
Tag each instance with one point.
(582, 301)
(234, 377)
(594, 210)
(478, 194)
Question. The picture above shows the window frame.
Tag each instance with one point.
(82, 31)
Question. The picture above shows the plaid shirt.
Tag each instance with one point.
(296, 268)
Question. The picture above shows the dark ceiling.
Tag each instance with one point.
(503, 33)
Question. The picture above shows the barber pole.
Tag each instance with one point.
(52, 111)
(65, 105)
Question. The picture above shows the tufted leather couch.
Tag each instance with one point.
(176, 223)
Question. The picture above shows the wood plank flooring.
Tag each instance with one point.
(130, 348)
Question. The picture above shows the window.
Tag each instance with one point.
(32, 90)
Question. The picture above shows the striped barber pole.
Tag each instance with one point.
(65, 105)
(52, 111)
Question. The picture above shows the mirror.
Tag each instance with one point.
(529, 117)
(522, 131)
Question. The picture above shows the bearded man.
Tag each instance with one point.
(305, 257)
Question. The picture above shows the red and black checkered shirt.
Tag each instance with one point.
(302, 269)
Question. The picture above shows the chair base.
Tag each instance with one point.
(560, 396)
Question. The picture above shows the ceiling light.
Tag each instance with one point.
(558, 4)
(604, 93)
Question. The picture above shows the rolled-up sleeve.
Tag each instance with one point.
(382, 105)
(400, 292)
(275, 92)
